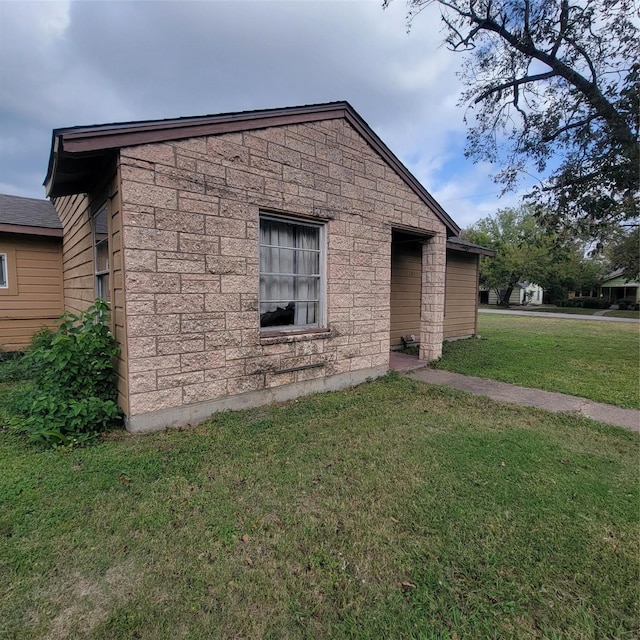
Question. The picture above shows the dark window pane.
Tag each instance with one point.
(3, 271)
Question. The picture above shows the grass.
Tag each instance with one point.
(595, 360)
(615, 313)
(393, 510)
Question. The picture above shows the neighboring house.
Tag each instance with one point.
(254, 257)
(524, 293)
(30, 269)
(614, 287)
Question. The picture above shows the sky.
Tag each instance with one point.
(83, 62)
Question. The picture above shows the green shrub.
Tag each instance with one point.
(74, 393)
(625, 304)
(12, 367)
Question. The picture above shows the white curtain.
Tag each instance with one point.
(289, 273)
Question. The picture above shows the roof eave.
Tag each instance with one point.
(99, 140)
(30, 230)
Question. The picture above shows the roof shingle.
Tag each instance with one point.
(28, 212)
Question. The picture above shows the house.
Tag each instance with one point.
(254, 257)
(615, 287)
(524, 293)
(30, 269)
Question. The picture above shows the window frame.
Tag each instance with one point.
(101, 275)
(321, 226)
(4, 269)
(10, 271)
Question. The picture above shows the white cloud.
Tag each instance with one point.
(76, 63)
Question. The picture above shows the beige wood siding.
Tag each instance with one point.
(117, 288)
(75, 213)
(461, 295)
(406, 290)
(77, 252)
(34, 297)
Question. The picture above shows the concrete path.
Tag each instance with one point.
(566, 316)
(504, 392)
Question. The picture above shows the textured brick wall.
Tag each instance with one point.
(190, 235)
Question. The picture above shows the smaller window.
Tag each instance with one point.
(4, 275)
(101, 253)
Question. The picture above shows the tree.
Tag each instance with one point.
(521, 247)
(553, 85)
(526, 251)
(624, 253)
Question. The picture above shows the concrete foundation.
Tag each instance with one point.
(198, 412)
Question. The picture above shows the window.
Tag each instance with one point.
(101, 252)
(4, 272)
(291, 268)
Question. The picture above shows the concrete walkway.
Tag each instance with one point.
(565, 316)
(524, 396)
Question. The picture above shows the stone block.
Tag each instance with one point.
(154, 363)
(201, 361)
(199, 283)
(154, 400)
(180, 379)
(150, 239)
(140, 260)
(142, 282)
(179, 303)
(141, 381)
(157, 153)
(180, 343)
(141, 347)
(150, 195)
(208, 390)
(202, 322)
(156, 325)
(174, 262)
(172, 220)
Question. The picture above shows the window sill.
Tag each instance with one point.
(279, 337)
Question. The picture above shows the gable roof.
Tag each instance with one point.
(78, 153)
(28, 215)
(618, 274)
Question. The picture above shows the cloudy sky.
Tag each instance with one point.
(77, 63)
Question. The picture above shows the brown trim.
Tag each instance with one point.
(464, 248)
(30, 231)
(68, 144)
(161, 131)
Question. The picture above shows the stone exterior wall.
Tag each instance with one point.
(190, 224)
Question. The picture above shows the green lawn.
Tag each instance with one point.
(576, 311)
(393, 510)
(595, 360)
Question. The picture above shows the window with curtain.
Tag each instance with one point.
(101, 253)
(4, 277)
(290, 274)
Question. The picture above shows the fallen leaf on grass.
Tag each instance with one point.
(123, 479)
(405, 585)
(248, 561)
(245, 538)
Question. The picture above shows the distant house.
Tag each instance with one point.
(253, 257)
(614, 287)
(30, 269)
(524, 293)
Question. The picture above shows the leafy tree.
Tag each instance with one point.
(522, 249)
(526, 251)
(624, 253)
(553, 85)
